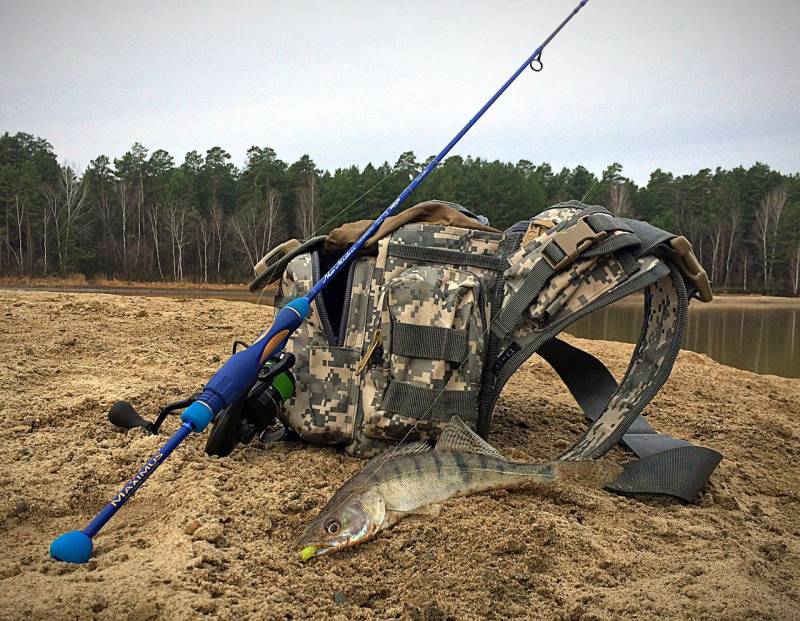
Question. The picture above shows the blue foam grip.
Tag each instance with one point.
(72, 547)
(240, 371)
(198, 415)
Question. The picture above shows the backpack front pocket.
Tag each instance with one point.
(425, 366)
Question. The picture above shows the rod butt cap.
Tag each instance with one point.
(72, 547)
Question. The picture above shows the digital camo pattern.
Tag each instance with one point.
(592, 284)
(428, 296)
(323, 408)
(448, 237)
(377, 430)
(442, 237)
(443, 297)
(375, 291)
(529, 253)
(333, 405)
(561, 212)
(656, 351)
(361, 308)
(332, 395)
(562, 289)
(575, 288)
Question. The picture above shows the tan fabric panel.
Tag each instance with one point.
(433, 212)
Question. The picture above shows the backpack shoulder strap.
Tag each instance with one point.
(666, 465)
(645, 261)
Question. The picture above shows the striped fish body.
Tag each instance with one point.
(414, 479)
(409, 483)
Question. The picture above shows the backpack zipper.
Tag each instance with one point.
(348, 296)
(327, 328)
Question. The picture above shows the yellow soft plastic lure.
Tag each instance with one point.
(307, 552)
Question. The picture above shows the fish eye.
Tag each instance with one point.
(332, 527)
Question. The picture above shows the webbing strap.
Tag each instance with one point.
(666, 309)
(592, 226)
(438, 405)
(512, 313)
(431, 342)
(679, 472)
(667, 466)
(442, 255)
(605, 221)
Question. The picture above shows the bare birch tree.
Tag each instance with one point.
(734, 218)
(203, 241)
(768, 217)
(153, 213)
(218, 228)
(308, 198)
(67, 205)
(176, 222)
(619, 200)
(255, 227)
(122, 187)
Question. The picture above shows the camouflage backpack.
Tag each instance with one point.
(440, 309)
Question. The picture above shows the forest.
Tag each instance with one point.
(143, 216)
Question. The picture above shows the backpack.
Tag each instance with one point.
(439, 310)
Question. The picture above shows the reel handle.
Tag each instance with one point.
(123, 415)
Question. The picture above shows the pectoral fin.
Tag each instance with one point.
(427, 512)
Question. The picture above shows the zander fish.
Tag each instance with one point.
(413, 479)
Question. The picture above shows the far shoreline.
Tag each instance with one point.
(239, 291)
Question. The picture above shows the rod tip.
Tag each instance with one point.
(72, 547)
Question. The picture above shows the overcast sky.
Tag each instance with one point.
(679, 85)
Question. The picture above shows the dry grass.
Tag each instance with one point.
(80, 280)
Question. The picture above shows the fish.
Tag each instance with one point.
(412, 480)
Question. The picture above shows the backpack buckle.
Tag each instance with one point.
(687, 263)
(564, 246)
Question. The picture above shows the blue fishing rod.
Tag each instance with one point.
(241, 370)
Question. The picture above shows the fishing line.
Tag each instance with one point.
(536, 65)
(591, 189)
(241, 370)
(335, 217)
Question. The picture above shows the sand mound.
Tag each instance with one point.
(215, 537)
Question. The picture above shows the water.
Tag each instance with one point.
(757, 334)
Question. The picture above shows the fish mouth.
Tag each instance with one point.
(307, 551)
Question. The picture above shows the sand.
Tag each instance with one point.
(215, 538)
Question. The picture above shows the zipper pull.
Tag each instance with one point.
(365, 359)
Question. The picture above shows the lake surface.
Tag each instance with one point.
(757, 334)
(754, 333)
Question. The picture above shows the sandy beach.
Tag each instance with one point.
(215, 537)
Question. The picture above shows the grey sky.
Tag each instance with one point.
(679, 85)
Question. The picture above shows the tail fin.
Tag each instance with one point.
(587, 473)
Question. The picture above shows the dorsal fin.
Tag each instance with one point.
(457, 437)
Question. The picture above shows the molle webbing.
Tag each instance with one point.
(436, 405)
(431, 342)
(563, 244)
(462, 308)
(444, 256)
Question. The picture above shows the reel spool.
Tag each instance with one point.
(256, 413)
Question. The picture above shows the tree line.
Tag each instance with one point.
(142, 216)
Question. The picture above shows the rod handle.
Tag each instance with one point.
(240, 371)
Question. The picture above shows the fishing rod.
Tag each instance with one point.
(236, 377)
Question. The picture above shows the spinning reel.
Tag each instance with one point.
(255, 414)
